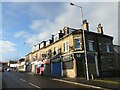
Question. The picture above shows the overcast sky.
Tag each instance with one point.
(33, 22)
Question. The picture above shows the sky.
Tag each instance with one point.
(27, 23)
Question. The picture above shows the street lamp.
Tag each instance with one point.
(86, 63)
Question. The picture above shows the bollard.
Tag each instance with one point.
(92, 76)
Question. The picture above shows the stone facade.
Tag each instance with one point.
(70, 42)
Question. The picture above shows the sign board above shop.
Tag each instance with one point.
(56, 59)
(67, 58)
(78, 56)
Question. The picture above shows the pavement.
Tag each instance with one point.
(97, 83)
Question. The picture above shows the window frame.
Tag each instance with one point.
(111, 64)
(91, 42)
(68, 48)
(108, 48)
(80, 47)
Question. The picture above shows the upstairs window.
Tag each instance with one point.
(91, 45)
(100, 46)
(48, 43)
(55, 51)
(66, 47)
(77, 43)
(108, 47)
(111, 63)
(56, 37)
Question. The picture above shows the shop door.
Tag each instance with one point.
(47, 69)
(80, 68)
(56, 69)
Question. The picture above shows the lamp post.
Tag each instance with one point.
(86, 61)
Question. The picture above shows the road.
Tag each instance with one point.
(24, 80)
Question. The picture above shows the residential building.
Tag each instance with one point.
(63, 54)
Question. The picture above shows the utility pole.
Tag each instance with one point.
(86, 61)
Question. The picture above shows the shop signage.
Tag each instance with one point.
(56, 59)
(67, 58)
(78, 56)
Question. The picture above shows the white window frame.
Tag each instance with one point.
(91, 45)
(80, 43)
(56, 37)
(42, 45)
(48, 43)
(37, 47)
(66, 46)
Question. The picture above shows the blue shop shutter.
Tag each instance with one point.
(56, 69)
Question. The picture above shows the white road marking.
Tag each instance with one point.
(34, 85)
(97, 87)
(23, 80)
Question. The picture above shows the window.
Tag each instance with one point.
(37, 47)
(77, 43)
(111, 63)
(49, 53)
(42, 45)
(108, 47)
(66, 47)
(100, 46)
(56, 37)
(90, 42)
(48, 43)
(55, 50)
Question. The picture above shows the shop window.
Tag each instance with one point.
(77, 43)
(66, 47)
(68, 65)
(91, 45)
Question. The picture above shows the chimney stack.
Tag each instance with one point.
(85, 25)
(60, 31)
(100, 28)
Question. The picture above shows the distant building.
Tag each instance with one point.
(116, 60)
(12, 64)
(21, 65)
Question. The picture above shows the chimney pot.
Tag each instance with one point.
(100, 28)
(85, 25)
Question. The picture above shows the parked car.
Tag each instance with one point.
(8, 69)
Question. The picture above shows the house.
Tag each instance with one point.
(64, 55)
(21, 65)
(116, 69)
(12, 64)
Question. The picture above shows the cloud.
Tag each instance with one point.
(71, 16)
(7, 47)
(37, 25)
(22, 34)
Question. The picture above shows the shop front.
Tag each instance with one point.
(56, 66)
(92, 64)
(47, 67)
(68, 65)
